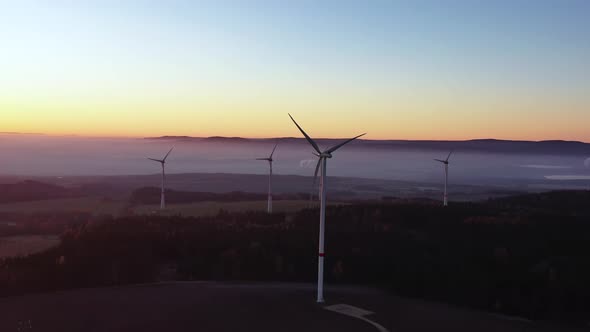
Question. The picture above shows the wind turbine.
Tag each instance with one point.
(270, 160)
(323, 158)
(446, 163)
(163, 162)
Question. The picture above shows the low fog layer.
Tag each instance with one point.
(38, 155)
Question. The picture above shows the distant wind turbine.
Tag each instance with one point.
(446, 163)
(270, 160)
(163, 162)
(323, 158)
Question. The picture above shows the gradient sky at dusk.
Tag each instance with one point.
(397, 70)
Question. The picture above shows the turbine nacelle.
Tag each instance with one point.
(158, 160)
(322, 155)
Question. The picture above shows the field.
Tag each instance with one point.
(24, 245)
(82, 204)
(212, 208)
(97, 205)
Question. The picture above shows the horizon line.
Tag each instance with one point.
(286, 137)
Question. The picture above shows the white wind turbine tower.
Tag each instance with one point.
(446, 163)
(270, 160)
(163, 162)
(323, 158)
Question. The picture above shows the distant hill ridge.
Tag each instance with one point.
(558, 147)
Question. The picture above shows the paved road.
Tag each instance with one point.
(238, 307)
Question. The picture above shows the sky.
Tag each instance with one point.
(394, 69)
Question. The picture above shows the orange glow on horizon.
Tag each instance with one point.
(407, 119)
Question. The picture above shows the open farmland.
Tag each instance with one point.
(200, 209)
(24, 245)
(81, 204)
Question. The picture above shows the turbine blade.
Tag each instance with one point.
(334, 148)
(449, 156)
(267, 159)
(317, 168)
(158, 160)
(440, 161)
(168, 154)
(315, 146)
(273, 151)
(315, 176)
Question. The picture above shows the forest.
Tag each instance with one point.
(525, 255)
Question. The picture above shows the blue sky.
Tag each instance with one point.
(501, 63)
